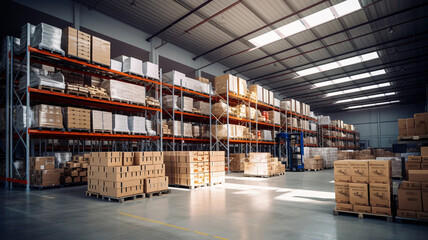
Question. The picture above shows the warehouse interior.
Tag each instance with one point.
(208, 119)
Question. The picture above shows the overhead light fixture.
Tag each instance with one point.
(372, 104)
(358, 89)
(315, 19)
(348, 79)
(334, 65)
(365, 97)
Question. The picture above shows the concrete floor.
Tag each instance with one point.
(294, 206)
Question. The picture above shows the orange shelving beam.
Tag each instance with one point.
(48, 133)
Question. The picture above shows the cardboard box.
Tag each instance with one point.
(406, 213)
(424, 166)
(418, 175)
(100, 51)
(382, 211)
(380, 195)
(342, 192)
(402, 127)
(359, 194)
(344, 207)
(257, 90)
(342, 171)
(360, 168)
(362, 209)
(380, 171)
(220, 84)
(410, 185)
(357, 179)
(416, 159)
(422, 215)
(413, 166)
(410, 123)
(409, 200)
(424, 151)
(425, 201)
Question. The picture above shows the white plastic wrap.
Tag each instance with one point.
(187, 104)
(170, 101)
(149, 128)
(137, 124)
(115, 65)
(174, 77)
(204, 107)
(187, 128)
(61, 158)
(132, 65)
(41, 77)
(23, 42)
(151, 70)
(20, 117)
(47, 37)
(125, 91)
(324, 120)
(120, 123)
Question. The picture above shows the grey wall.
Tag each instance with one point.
(379, 125)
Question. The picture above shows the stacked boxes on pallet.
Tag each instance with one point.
(47, 116)
(314, 163)
(43, 172)
(100, 51)
(416, 126)
(363, 186)
(76, 171)
(413, 194)
(77, 118)
(102, 121)
(125, 92)
(217, 172)
(237, 161)
(76, 43)
(262, 164)
(115, 174)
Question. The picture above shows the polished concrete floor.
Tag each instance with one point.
(294, 206)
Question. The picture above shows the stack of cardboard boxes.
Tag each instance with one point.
(236, 162)
(413, 196)
(195, 168)
(116, 174)
(76, 43)
(77, 118)
(100, 52)
(47, 116)
(76, 171)
(43, 172)
(102, 121)
(363, 186)
(416, 126)
(417, 162)
(262, 164)
(314, 163)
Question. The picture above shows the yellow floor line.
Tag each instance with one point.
(169, 225)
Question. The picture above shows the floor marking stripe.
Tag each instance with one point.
(169, 225)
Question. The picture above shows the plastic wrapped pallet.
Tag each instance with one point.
(187, 104)
(176, 127)
(276, 102)
(395, 165)
(137, 124)
(274, 117)
(131, 65)
(170, 101)
(120, 123)
(125, 91)
(220, 131)
(266, 135)
(221, 86)
(285, 105)
(242, 87)
(204, 107)
(271, 98)
(251, 112)
(149, 128)
(115, 65)
(107, 121)
(47, 116)
(265, 96)
(219, 109)
(324, 120)
(40, 77)
(298, 108)
(205, 131)
(47, 37)
(20, 117)
(97, 120)
(150, 70)
(61, 158)
(174, 77)
(257, 90)
(196, 129)
(23, 41)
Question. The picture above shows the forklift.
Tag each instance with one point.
(294, 149)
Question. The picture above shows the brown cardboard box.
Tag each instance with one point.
(424, 165)
(425, 201)
(344, 207)
(357, 179)
(418, 175)
(342, 192)
(69, 41)
(406, 213)
(413, 166)
(410, 122)
(362, 209)
(380, 195)
(381, 211)
(402, 127)
(380, 171)
(422, 215)
(359, 194)
(424, 185)
(342, 171)
(416, 159)
(424, 151)
(100, 51)
(409, 200)
(42, 163)
(410, 185)
(360, 168)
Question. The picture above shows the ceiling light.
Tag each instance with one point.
(319, 18)
(365, 97)
(323, 84)
(360, 76)
(350, 61)
(315, 19)
(329, 66)
(265, 39)
(373, 104)
(333, 65)
(341, 80)
(308, 71)
(378, 72)
(347, 7)
(369, 56)
(377, 95)
(358, 89)
(351, 78)
(291, 28)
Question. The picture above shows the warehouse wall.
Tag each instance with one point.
(113, 28)
(379, 125)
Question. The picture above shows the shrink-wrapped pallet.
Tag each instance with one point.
(120, 123)
(47, 37)
(41, 77)
(174, 77)
(150, 70)
(137, 124)
(128, 92)
(226, 82)
(203, 107)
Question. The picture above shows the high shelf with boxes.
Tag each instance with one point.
(336, 133)
(239, 126)
(186, 104)
(98, 106)
(413, 129)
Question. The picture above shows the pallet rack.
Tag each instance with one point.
(350, 143)
(23, 143)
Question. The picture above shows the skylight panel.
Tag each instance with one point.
(292, 28)
(265, 39)
(347, 7)
(319, 18)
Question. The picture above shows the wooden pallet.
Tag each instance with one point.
(411, 138)
(158, 193)
(411, 220)
(188, 187)
(101, 131)
(51, 129)
(51, 50)
(134, 74)
(214, 184)
(77, 93)
(78, 130)
(261, 176)
(363, 215)
(237, 171)
(101, 97)
(313, 170)
(121, 132)
(118, 199)
(52, 89)
(78, 58)
(128, 102)
(100, 64)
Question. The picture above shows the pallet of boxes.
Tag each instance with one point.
(125, 176)
(76, 171)
(363, 187)
(236, 162)
(314, 164)
(413, 194)
(263, 165)
(43, 173)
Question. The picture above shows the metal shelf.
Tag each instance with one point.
(86, 135)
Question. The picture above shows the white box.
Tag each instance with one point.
(274, 117)
(187, 104)
(151, 70)
(132, 65)
(297, 107)
(120, 123)
(271, 98)
(276, 102)
(265, 96)
(137, 124)
(115, 65)
(97, 120)
(258, 90)
(107, 121)
(119, 90)
(242, 87)
(204, 107)
(174, 77)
